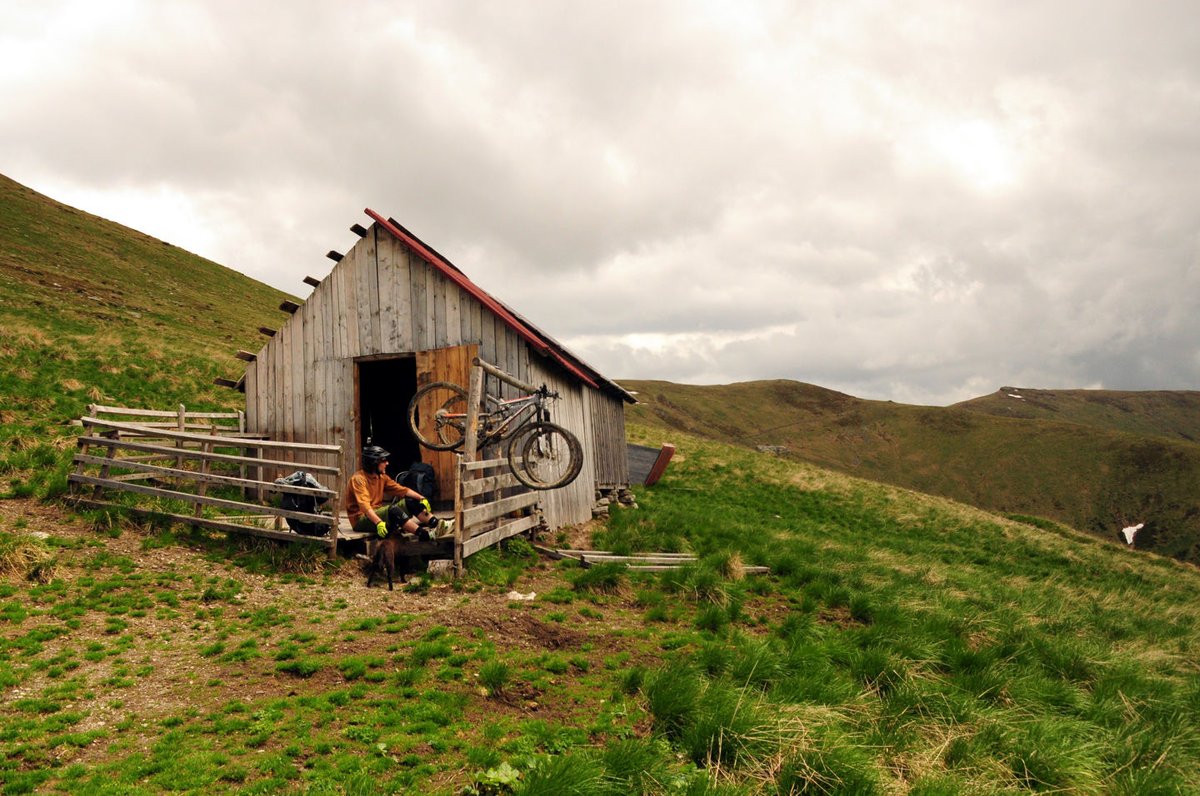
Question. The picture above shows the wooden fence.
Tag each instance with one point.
(490, 504)
(207, 465)
(224, 477)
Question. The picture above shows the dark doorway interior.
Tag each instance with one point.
(385, 386)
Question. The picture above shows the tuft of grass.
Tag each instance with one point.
(495, 676)
(605, 578)
(26, 558)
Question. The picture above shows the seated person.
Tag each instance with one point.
(369, 489)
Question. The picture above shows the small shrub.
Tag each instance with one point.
(672, 694)
(712, 618)
(299, 667)
(603, 578)
(836, 766)
(563, 775)
(494, 676)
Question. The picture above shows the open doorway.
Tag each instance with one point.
(385, 386)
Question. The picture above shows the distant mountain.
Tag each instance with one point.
(1173, 414)
(1095, 460)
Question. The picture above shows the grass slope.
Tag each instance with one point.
(1086, 475)
(93, 312)
(902, 644)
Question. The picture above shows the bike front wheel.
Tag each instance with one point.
(437, 415)
(547, 456)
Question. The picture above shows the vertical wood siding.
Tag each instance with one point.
(380, 300)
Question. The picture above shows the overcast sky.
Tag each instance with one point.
(920, 201)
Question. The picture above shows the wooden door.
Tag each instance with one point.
(451, 364)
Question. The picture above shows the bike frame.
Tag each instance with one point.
(502, 421)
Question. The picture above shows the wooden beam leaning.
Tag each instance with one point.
(246, 356)
(508, 378)
(230, 383)
(289, 307)
(266, 330)
(312, 280)
(359, 230)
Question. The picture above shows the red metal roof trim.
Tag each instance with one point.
(458, 278)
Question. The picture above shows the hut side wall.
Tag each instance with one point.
(382, 299)
(609, 455)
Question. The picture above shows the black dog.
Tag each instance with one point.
(389, 553)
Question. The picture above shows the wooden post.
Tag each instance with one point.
(337, 507)
(181, 424)
(202, 485)
(470, 441)
(104, 471)
(79, 467)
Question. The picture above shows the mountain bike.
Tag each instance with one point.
(542, 454)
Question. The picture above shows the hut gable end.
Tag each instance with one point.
(343, 366)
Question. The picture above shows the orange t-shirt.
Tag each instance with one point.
(369, 492)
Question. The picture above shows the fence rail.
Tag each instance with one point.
(180, 466)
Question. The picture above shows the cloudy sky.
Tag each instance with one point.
(920, 201)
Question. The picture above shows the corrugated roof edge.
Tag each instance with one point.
(541, 341)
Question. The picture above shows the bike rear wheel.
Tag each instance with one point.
(437, 415)
(547, 456)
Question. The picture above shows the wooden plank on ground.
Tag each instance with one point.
(646, 559)
(667, 567)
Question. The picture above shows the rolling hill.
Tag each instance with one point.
(1093, 460)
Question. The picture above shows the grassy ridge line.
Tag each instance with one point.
(91, 311)
(1174, 414)
(1092, 478)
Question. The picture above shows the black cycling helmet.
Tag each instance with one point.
(372, 455)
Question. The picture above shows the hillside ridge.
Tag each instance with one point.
(1074, 464)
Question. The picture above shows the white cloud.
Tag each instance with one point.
(917, 201)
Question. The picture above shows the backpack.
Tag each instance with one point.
(306, 503)
(421, 478)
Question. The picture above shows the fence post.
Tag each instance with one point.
(181, 424)
(337, 505)
(202, 485)
(470, 441)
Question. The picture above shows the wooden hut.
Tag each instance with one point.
(393, 315)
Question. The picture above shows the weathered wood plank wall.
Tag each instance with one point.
(382, 299)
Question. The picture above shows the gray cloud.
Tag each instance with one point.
(914, 201)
